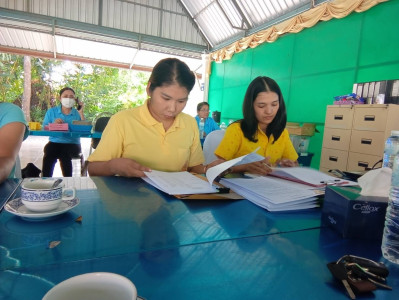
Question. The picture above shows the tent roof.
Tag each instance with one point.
(135, 33)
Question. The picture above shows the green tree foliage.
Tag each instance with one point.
(11, 78)
(102, 89)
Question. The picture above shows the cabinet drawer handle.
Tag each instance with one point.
(335, 138)
(366, 141)
(333, 158)
(338, 117)
(369, 118)
(363, 164)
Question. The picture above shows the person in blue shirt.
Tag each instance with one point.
(203, 113)
(13, 130)
(62, 148)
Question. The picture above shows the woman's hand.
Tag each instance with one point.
(118, 166)
(127, 167)
(285, 162)
(80, 105)
(58, 121)
(215, 163)
(261, 167)
(201, 169)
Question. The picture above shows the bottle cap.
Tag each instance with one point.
(394, 132)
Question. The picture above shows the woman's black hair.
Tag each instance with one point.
(169, 71)
(249, 124)
(67, 89)
(202, 104)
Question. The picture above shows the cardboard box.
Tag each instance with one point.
(76, 122)
(307, 129)
(354, 215)
(58, 127)
(34, 125)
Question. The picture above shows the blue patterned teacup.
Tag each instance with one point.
(40, 195)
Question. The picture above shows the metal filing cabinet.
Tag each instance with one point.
(354, 135)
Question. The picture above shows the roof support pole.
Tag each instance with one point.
(54, 40)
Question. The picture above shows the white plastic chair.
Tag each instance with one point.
(17, 172)
(212, 140)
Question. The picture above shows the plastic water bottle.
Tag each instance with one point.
(390, 239)
(201, 128)
(391, 149)
(223, 126)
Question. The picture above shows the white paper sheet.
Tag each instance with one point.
(178, 183)
(214, 172)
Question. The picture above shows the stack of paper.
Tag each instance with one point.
(273, 194)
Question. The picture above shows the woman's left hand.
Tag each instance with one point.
(285, 162)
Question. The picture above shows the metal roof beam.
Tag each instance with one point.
(6, 14)
(227, 17)
(266, 25)
(244, 18)
(195, 24)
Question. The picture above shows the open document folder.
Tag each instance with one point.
(179, 183)
(309, 176)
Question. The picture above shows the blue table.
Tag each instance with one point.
(65, 133)
(173, 249)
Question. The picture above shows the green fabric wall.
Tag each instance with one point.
(313, 66)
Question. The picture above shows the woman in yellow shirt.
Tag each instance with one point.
(263, 126)
(156, 135)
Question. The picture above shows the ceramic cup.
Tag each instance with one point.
(39, 194)
(94, 286)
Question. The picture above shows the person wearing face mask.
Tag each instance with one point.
(62, 148)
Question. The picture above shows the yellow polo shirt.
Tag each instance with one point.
(235, 144)
(135, 134)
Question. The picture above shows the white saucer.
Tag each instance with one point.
(17, 208)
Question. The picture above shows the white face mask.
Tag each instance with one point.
(68, 102)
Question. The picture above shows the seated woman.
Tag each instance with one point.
(263, 126)
(203, 113)
(13, 130)
(62, 148)
(156, 135)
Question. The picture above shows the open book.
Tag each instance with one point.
(178, 183)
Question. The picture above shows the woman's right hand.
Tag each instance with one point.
(58, 121)
(261, 167)
(127, 167)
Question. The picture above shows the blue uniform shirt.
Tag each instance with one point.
(209, 126)
(56, 113)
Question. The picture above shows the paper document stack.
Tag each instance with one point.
(273, 194)
(286, 188)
